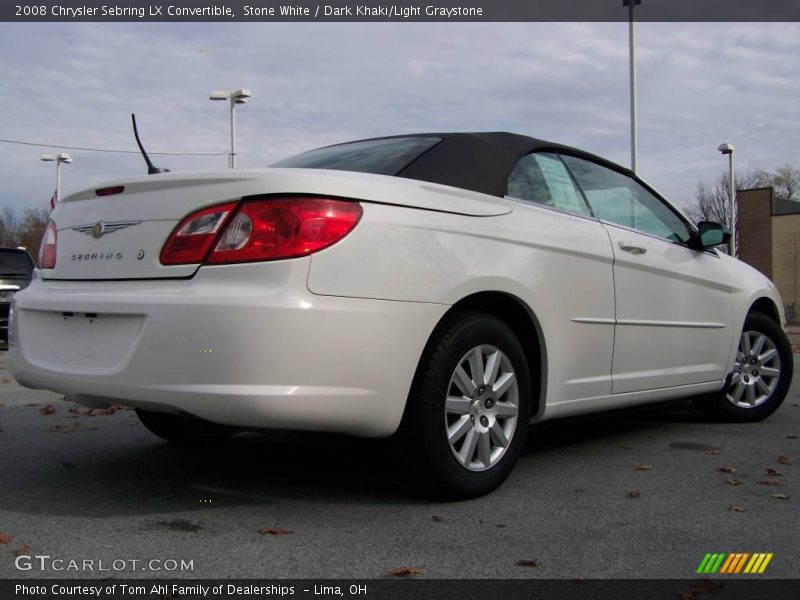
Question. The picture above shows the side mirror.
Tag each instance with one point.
(712, 234)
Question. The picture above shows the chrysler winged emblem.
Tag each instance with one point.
(99, 229)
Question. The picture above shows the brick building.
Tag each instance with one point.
(769, 240)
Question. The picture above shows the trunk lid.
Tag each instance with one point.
(120, 236)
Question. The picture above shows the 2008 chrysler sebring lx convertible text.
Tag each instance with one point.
(453, 287)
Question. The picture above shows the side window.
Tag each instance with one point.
(617, 198)
(542, 178)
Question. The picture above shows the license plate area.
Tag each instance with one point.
(79, 342)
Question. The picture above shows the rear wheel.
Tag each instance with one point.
(180, 430)
(469, 406)
(761, 375)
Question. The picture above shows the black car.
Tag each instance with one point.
(16, 271)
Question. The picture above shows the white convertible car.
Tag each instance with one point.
(450, 287)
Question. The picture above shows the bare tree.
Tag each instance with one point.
(25, 231)
(785, 182)
(713, 200)
(8, 225)
(31, 229)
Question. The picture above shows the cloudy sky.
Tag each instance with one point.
(320, 83)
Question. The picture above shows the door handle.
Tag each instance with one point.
(632, 248)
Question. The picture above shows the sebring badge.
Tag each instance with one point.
(99, 229)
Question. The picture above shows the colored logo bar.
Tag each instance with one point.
(734, 563)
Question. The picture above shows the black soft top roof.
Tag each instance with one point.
(480, 162)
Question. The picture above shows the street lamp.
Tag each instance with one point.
(58, 159)
(235, 97)
(729, 150)
(632, 65)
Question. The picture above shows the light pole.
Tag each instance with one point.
(58, 159)
(729, 150)
(632, 65)
(235, 97)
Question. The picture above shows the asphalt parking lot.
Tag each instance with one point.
(637, 495)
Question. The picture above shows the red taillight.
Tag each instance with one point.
(191, 240)
(271, 229)
(47, 249)
(268, 229)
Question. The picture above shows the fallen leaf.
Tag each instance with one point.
(95, 412)
(67, 465)
(644, 467)
(727, 470)
(732, 481)
(48, 409)
(696, 589)
(769, 481)
(785, 460)
(774, 472)
(634, 494)
(405, 571)
(62, 429)
(274, 531)
(6, 380)
(23, 549)
(5, 539)
(738, 509)
(779, 496)
(527, 562)
(99, 412)
(437, 518)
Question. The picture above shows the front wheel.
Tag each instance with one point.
(761, 375)
(468, 409)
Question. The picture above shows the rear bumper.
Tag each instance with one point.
(241, 345)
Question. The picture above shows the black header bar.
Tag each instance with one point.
(402, 11)
(743, 588)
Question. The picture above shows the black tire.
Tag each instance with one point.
(183, 431)
(722, 405)
(425, 425)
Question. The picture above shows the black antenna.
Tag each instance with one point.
(151, 168)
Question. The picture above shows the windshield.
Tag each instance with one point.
(382, 157)
(15, 263)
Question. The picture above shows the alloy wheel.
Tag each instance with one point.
(756, 372)
(481, 408)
